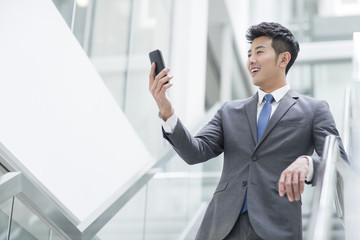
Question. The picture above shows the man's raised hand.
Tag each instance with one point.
(158, 86)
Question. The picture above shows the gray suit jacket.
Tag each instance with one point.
(298, 126)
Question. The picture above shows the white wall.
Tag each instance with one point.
(188, 58)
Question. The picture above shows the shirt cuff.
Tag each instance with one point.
(169, 124)
(310, 174)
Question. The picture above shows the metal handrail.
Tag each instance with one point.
(336, 177)
(324, 191)
(17, 184)
(335, 174)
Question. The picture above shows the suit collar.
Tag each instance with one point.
(278, 94)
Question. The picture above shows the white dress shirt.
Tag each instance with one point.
(278, 94)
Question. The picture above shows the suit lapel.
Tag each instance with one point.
(251, 109)
(284, 105)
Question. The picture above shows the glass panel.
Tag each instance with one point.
(129, 222)
(351, 180)
(109, 43)
(171, 200)
(300, 79)
(339, 8)
(176, 195)
(324, 80)
(26, 225)
(82, 22)
(2, 171)
(325, 20)
(4, 218)
(330, 80)
(151, 26)
(111, 28)
(167, 209)
(54, 236)
(65, 7)
(354, 125)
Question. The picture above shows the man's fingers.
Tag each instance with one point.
(295, 186)
(292, 183)
(162, 84)
(302, 181)
(151, 74)
(165, 87)
(288, 186)
(282, 185)
(156, 83)
(152, 82)
(292, 179)
(162, 74)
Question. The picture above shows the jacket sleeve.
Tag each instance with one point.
(206, 144)
(324, 125)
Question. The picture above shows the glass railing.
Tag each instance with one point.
(168, 193)
(17, 221)
(5, 209)
(351, 129)
(170, 205)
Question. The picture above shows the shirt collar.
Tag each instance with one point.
(278, 94)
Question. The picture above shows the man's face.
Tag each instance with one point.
(263, 65)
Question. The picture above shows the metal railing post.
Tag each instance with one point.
(10, 218)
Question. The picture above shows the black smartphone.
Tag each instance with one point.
(156, 56)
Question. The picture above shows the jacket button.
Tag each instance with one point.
(254, 158)
(244, 183)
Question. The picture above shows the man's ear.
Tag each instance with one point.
(284, 59)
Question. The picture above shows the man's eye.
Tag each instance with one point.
(258, 52)
(249, 55)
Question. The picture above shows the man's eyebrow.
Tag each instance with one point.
(257, 48)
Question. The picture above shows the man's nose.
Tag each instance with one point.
(251, 59)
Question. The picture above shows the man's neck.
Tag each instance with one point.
(273, 84)
(270, 89)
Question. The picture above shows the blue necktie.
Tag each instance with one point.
(264, 115)
(262, 122)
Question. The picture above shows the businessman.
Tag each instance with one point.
(267, 140)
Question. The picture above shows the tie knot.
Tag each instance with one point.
(269, 98)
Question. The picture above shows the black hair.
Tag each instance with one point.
(282, 39)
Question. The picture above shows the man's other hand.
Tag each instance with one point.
(292, 179)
